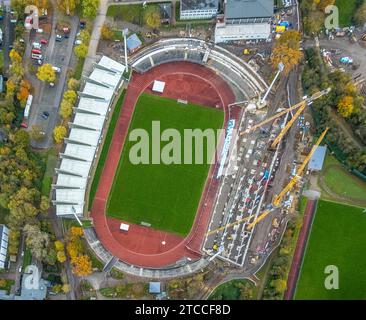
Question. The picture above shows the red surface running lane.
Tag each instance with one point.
(299, 251)
(143, 246)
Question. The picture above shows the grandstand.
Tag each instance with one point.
(85, 136)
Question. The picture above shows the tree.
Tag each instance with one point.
(15, 57)
(46, 73)
(37, 241)
(70, 96)
(66, 288)
(152, 17)
(85, 36)
(82, 266)
(279, 285)
(76, 232)
(360, 16)
(107, 33)
(73, 84)
(65, 109)
(61, 257)
(45, 204)
(21, 138)
(81, 51)
(59, 133)
(288, 56)
(23, 92)
(89, 8)
(67, 6)
(59, 246)
(345, 106)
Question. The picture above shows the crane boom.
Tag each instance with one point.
(278, 198)
(227, 226)
(288, 126)
(307, 101)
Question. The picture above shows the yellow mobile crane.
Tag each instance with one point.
(277, 199)
(302, 105)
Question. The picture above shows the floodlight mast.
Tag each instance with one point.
(125, 33)
(280, 69)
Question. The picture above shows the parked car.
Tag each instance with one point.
(45, 115)
(78, 41)
(24, 125)
(58, 37)
(36, 51)
(39, 30)
(44, 41)
(36, 45)
(40, 62)
(82, 24)
(57, 69)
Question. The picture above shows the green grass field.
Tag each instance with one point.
(341, 184)
(105, 149)
(337, 238)
(166, 196)
(346, 11)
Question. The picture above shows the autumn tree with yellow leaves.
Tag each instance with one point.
(345, 106)
(287, 50)
(59, 133)
(46, 73)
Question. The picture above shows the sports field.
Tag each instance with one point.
(337, 238)
(165, 196)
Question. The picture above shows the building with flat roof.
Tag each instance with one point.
(317, 160)
(198, 9)
(4, 236)
(245, 20)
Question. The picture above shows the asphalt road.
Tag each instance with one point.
(48, 98)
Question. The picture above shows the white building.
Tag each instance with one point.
(85, 135)
(4, 237)
(245, 20)
(198, 9)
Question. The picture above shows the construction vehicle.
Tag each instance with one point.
(278, 199)
(307, 101)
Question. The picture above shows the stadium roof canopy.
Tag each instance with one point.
(85, 134)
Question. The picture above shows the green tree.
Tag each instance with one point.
(46, 73)
(89, 8)
(81, 51)
(152, 17)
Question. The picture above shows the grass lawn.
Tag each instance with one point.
(342, 183)
(50, 159)
(79, 68)
(347, 9)
(130, 13)
(27, 259)
(68, 223)
(166, 196)
(105, 149)
(337, 238)
(231, 290)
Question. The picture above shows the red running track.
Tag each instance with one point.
(143, 246)
(300, 247)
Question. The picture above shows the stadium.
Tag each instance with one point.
(151, 220)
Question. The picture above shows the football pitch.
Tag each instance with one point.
(337, 238)
(164, 196)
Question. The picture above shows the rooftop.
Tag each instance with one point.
(241, 9)
(199, 4)
(317, 160)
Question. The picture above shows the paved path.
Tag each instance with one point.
(95, 36)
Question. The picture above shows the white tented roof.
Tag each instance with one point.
(98, 91)
(96, 106)
(86, 136)
(111, 64)
(79, 151)
(91, 121)
(65, 209)
(75, 167)
(67, 180)
(110, 79)
(71, 196)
